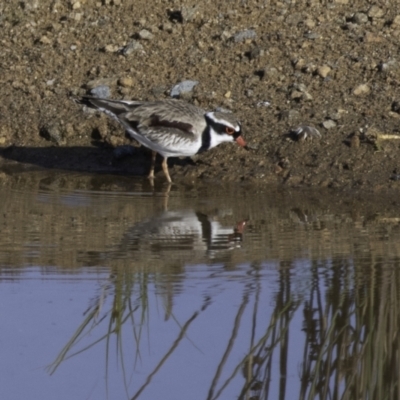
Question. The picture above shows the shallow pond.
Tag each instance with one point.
(113, 288)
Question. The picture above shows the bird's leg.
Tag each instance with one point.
(165, 169)
(153, 163)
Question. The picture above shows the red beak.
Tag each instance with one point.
(240, 141)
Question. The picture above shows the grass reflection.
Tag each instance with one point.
(349, 332)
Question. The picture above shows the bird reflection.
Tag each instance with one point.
(183, 234)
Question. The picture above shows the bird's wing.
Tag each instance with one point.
(174, 118)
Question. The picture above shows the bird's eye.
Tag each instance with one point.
(229, 130)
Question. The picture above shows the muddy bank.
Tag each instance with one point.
(277, 65)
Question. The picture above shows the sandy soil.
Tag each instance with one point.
(277, 65)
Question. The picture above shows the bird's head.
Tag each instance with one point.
(224, 127)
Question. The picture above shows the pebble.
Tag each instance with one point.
(30, 5)
(396, 20)
(323, 71)
(52, 133)
(355, 141)
(131, 47)
(361, 90)
(126, 82)
(360, 18)
(375, 12)
(329, 124)
(372, 38)
(189, 12)
(387, 66)
(101, 91)
(111, 48)
(183, 87)
(255, 53)
(144, 34)
(312, 35)
(45, 40)
(244, 35)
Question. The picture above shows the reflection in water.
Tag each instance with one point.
(210, 295)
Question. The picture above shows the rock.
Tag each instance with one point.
(30, 5)
(111, 48)
(255, 53)
(360, 18)
(361, 90)
(342, 1)
(132, 47)
(396, 20)
(388, 66)
(296, 95)
(372, 37)
(101, 91)
(355, 141)
(76, 5)
(45, 40)
(312, 35)
(126, 82)
(375, 12)
(329, 124)
(244, 35)
(299, 64)
(183, 87)
(52, 133)
(323, 71)
(144, 34)
(189, 12)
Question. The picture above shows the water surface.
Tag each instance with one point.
(113, 288)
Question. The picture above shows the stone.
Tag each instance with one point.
(361, 90)
(329, 124)
(183, 87)
(244, 35)
(101, 91)
(396, 20)
(323, 71)
(144, 34)
(45, 40)
(126, 82)
(375, 12)
(360, 18)
(131, 47)
(111, 48)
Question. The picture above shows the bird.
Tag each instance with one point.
(170, 127)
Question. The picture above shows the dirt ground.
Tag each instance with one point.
(278, 65)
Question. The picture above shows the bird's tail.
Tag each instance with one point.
(114, 107)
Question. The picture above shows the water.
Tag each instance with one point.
(112, 288)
